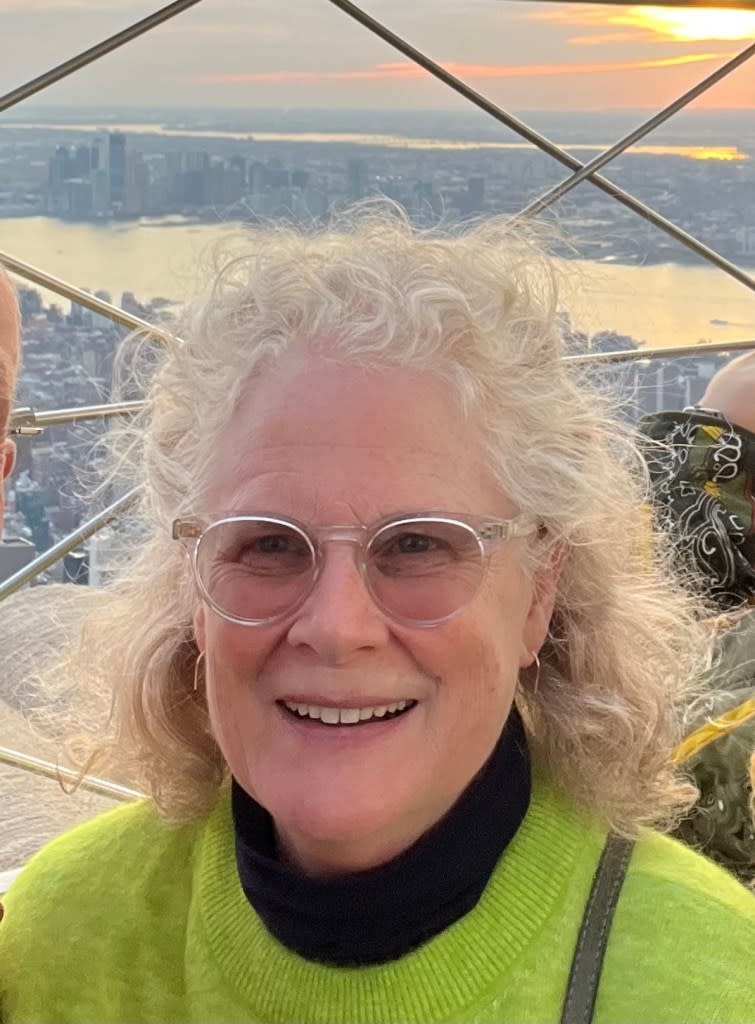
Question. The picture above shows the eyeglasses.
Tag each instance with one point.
(419, 569)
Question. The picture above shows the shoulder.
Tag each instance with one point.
(681, 940)
(126, 871)
(103, 849)
(662, 864)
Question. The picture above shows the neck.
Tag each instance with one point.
(339, 914)
(327, 858)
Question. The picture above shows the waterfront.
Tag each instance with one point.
(390, 141)
(662, 304)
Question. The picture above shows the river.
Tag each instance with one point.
(665, 304)
(393, 141)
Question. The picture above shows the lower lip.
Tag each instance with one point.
(313, 729)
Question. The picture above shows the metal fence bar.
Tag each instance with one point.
(93, 53)
(571, 182)
(669, 351)
(26, 419)
(67, 544)
(542, 143)
(82, 298)
(38, 766)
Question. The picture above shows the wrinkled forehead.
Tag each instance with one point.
(361, 434)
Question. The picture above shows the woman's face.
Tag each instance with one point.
(326, 443)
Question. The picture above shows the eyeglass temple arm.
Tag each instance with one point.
(186, 529)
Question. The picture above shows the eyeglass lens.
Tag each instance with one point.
(421, 571)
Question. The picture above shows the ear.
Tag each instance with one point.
(7, 457)
(199, 629)
(544, 587)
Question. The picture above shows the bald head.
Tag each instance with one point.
(732, 392)
(9, 348)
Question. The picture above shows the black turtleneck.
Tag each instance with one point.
(373, 916)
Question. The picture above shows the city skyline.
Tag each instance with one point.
(227, 53)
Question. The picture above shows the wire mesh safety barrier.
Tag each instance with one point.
(28, 421)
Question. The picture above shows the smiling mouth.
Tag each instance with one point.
(327, 715)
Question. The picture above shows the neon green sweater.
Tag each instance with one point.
(127, 920)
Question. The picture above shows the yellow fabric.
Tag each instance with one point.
(712, 730)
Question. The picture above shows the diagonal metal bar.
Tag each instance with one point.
(118, 508)
(57, 551)
(627, 355)
(38, 766)
(91, 302)
(93, 53)
(26, 420)
(542, 143)
(571, 182)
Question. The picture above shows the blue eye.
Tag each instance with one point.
(414, 543)
(262, 548)
(272, 544)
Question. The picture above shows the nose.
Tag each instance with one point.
(339, 619)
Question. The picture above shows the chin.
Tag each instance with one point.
(369, 830)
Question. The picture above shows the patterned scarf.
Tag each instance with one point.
(702, 476)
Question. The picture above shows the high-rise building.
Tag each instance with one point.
(100, 176)
(136, 199)
(15, 554)
(82, 161)
(59, 171)
(79, 197)
(117, 163)
(357, 180)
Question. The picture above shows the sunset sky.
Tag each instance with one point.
(300, 53)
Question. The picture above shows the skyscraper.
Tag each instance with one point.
(357, 179)
(117, 160)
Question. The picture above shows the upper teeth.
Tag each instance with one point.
(344, 716)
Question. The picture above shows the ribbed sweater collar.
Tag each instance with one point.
(374, 916)
(442, 978)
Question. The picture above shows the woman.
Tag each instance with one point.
(412, 672)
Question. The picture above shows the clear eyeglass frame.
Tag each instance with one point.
(488, 532)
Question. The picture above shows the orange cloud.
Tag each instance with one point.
(601, 40)
(401, 70)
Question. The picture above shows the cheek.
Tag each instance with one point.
(487, 649)
(235, 658)
(474, 665)
(234, 649)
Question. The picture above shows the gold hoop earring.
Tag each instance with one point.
(197, 663)
(536, 659)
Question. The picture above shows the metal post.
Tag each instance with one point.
(93, 53)
(25, 420)
(38, 766)
(542, 143)
(82, 298)
(57, 551)
(571, 182)
(667, 351)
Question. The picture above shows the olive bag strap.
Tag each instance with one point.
(584, 976)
